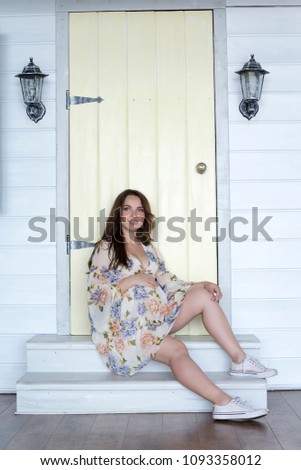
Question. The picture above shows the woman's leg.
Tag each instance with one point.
(199, 301)
(174, 353)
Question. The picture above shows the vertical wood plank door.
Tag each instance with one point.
(154, 71)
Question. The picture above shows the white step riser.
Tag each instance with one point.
(123, 401)
(87, 359)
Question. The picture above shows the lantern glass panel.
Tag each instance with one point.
(31, 89)
(251, 85)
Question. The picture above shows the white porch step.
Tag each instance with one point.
(66, 375)
(103, 392)
(54, 353)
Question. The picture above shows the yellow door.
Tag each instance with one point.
(154, 71)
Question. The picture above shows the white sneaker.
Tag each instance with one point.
(237, 410)
(250, 366)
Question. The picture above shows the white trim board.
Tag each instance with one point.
(262, 3)
(137, 5)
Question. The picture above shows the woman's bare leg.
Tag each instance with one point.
(174, 353)
(199, 301)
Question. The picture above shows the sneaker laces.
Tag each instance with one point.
(242, 404)
(254, 362)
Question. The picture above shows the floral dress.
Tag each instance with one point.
(128, 328)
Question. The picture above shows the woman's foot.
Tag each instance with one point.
(236, 410)
(251, 367)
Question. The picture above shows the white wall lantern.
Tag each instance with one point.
(251, 81)
(31, 80)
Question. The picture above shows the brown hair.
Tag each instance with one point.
(113, 232)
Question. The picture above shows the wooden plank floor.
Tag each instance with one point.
(280, 429)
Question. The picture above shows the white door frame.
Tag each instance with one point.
(63, 7)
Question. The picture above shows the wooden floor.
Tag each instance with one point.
(280, 429)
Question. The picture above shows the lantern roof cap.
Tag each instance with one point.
(252, 66)
(31, 69)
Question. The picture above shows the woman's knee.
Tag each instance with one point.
(169, 349)
(200, 295)
(178, 347)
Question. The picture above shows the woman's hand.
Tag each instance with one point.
(214, 290)
(143, 279)
(140, 279)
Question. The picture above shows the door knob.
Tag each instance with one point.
(201, 167)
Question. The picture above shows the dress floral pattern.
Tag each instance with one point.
(128, 328)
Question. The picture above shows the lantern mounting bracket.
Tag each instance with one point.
(35, 111)
(70, 100)
(249, 108)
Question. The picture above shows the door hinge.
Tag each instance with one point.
(76, 244)
(70, 100)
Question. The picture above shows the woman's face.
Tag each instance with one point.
(132, 214)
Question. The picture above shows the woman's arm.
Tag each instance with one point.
(167, 280)
(103, 281)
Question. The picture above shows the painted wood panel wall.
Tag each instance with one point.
(265, 173)
(27, 165)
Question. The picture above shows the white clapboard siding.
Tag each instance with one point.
(37, 29)
(273, 83)
(270, 338)
(266, 284)
(15, 114)
(266, 48)
(34, 7)
(286, 378)
(28, 172)
(281, 254)
(282, 194)
(31, 201)
(9, 373)
(28, 151)
(17, 56)
(15, 142)
(251, 165)
(266, 312)
(285, 223)
(272, 106)
(34, 259)
(14, 346)
(255, 21)
(30, 289)
(279, 135)
(14, 318)
(18, 231)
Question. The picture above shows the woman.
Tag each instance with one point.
(135, 305)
